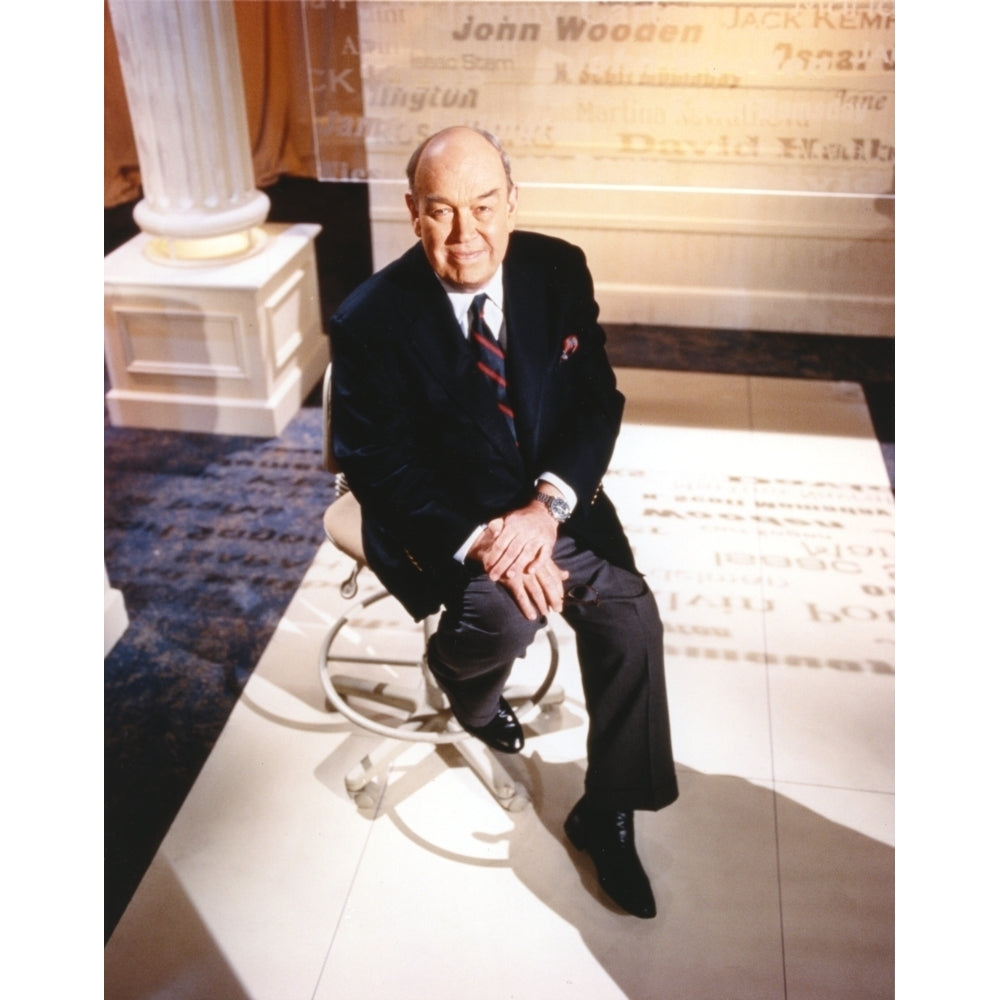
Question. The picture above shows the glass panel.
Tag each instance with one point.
(793, 96)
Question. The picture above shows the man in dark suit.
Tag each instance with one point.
(474, 416)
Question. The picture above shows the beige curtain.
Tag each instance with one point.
(276, 81)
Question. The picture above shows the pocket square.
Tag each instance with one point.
(569, 346)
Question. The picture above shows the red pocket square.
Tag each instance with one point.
(570, 344)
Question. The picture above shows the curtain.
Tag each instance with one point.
(121, 161)
(276, 84)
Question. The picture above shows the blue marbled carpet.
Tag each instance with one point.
(207, 537)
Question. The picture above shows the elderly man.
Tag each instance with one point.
(474, 416)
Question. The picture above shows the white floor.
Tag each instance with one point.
(761, 512)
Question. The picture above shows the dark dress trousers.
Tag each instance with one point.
(430, 457)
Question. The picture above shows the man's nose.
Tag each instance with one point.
(464, 225)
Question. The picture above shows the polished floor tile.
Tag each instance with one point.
(838, 930)
(761, 513)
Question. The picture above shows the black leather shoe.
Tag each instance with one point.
(609, 838)
(502, 733)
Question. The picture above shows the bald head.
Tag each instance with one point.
(457, 133)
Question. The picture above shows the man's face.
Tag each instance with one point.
(461, 209)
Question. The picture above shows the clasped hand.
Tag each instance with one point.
(516, 552)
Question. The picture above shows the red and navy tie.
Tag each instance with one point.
(490, 357)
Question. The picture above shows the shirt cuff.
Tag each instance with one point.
(462, 554)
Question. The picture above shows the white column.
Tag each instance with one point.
(181, 67)
(211, 317)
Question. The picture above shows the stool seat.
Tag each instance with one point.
(342, 524)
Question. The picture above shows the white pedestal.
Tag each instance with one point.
(115, 615)
(228, 348)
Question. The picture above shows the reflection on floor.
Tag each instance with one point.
(761, 512)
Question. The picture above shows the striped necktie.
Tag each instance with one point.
(490, 357)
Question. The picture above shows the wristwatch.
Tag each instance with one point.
(556, 506)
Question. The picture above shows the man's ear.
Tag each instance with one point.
(512, 200)
(414, 214)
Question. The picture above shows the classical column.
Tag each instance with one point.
(181, 67)
(212, 319)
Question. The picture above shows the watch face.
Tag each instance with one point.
(556, 506)
(559, 508)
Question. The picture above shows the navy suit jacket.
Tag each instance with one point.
(419, 437)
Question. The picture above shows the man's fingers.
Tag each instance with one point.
(539, 591)
(516, 587)
(549, 578)
(545, 567)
